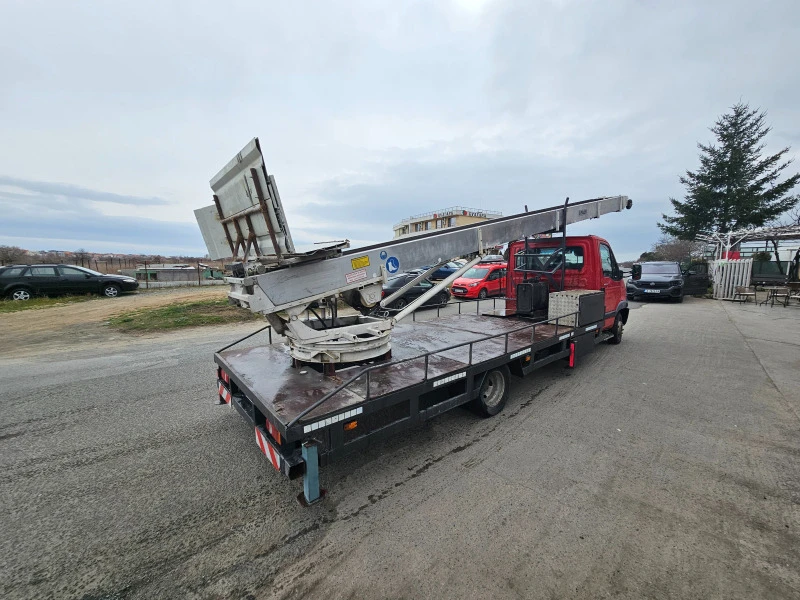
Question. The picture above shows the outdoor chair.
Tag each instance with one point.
(781, 294)
(794, 291)
(742, 293)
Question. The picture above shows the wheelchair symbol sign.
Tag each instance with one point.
(392, 265)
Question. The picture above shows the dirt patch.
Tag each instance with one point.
(33, 331)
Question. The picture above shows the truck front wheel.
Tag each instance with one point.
(494, 392)
(616, 331)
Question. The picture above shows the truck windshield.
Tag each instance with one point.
(660, 269)
(475, 273)
(536, 259)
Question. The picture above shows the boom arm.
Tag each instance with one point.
(300, 284)
(246, 198)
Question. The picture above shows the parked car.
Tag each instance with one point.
(22, 282)
(481, 281)
(445, 270)
(664, 279)
(394, 284)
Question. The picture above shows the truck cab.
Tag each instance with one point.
(588, 264)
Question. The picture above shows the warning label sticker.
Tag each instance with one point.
(360, 262)
(356, 276)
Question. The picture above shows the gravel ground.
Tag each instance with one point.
(666, 467)
(62, 328)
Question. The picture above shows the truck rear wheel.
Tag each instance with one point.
(494, 392)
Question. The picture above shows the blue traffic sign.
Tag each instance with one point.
(383, 255)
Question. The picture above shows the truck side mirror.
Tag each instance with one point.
(636, 272)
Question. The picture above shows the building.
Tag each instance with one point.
(455, 216)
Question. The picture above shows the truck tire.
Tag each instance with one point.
(494, 392)
(616, 330)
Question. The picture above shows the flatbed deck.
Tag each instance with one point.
(420, 351)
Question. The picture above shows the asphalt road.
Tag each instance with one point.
(666, 467)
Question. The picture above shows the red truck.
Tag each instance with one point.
(589, 265)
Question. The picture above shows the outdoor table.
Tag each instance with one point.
(772, 292)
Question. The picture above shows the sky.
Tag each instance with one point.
(114, 116)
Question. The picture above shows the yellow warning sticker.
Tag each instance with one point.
(360, 262)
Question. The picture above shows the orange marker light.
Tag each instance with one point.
(350, 426)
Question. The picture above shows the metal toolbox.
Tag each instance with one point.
(589, 304)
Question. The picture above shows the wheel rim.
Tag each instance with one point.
(111, 291)
(619, 329)
(21, 295)
(443, 299)
(493, 389)
(482, 294)
(400, 304)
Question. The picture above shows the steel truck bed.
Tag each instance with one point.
(303, 418)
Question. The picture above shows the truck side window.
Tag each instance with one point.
(606, 260)
(536, 258)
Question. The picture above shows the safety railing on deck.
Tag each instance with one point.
(366, 373)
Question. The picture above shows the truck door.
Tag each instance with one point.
(612, 283)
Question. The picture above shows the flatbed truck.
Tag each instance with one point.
(336, 383)
(303, 418)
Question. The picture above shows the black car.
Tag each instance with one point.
(664, 279)
(21, 282)
(411, 294)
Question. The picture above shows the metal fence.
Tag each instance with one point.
(727, 275)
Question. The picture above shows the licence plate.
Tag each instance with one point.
(652, 291)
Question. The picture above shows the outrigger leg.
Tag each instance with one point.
(311, 491)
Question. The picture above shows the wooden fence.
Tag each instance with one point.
(726, 275)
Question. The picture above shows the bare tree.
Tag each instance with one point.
(81, 255)
(673, 249)
(10, 255)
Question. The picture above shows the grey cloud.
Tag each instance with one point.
(501, 181)
(48, 211)
(100, 233)
(524, 103)
(74, 192)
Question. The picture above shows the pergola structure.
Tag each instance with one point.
(725, 242)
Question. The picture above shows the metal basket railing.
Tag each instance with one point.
(366, 373)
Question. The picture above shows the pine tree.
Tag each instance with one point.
(735, 187)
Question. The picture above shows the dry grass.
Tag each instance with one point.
(184, 314)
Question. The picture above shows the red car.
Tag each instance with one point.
(481, 281)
